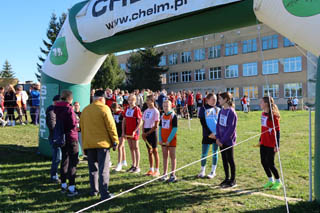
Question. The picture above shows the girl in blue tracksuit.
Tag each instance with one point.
(208, 115)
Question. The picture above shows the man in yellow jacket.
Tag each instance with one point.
(99, 134)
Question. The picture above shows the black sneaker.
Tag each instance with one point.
(107, 197)
(132, 168)
(94, 194)
(64, 190)
(55, 180)
(224, 183)
(232, 183)
(172, 179)
(72, 193)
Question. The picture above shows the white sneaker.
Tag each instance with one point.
(4, 123)
(211, 175)
(137, 170)
(119, 167)
(201, 175)
(110, 164)
(124, 163)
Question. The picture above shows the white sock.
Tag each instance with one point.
(124, 162)
(157, 169)
(214, 167)
(278, 180)
(151, 169)
(72, 188)
(64, 185)
(270, 179)
(203, 169)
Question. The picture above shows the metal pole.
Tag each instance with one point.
(310, 155)
(317, 139)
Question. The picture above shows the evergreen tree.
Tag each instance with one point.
(54, 28)
(110, 75)
(144, 70)
(7, 70)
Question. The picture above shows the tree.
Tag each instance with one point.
(144, 70)
(110, 75)
(55, 26)
(7, 70)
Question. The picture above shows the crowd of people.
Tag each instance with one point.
(15, 99)
(114, 117)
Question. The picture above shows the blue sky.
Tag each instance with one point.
(23, 25)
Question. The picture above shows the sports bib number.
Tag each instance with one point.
(116, 118)
(165, 124)
(149, 115)
(129, 112)
(223, 119)
(264, 121)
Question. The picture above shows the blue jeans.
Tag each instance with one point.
(56, 158)
(205, 150)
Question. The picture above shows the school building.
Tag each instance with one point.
(248, 61)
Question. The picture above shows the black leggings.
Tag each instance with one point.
(267, 161)
(228, 159)
(10, 114)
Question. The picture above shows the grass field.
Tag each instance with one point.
(25, 184)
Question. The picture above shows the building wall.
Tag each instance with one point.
(237, 36)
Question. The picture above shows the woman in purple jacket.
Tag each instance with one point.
(226, 137)
(70, 150)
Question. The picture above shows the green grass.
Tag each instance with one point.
(25, 185)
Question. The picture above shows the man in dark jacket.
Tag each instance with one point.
(64, 112)
(56, 151)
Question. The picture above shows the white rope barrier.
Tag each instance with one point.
(155, 179)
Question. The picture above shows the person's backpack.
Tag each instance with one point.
(59, 137)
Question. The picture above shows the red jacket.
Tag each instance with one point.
(190, 100)
(110, 100)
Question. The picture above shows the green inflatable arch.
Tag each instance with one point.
(96, 28)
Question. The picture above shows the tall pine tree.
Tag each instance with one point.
(7, 71)
(144, 70)
(55, 26)
(110, 75)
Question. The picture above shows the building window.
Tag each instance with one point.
(251, 92)
(270, 42)
(186, 57)
(270, 67)
(200, 54)
(163, 79)
(163, 61)
(123, 67)
(200, 75)
(293, 90)
(215, 73)
(173, 78)
(173, 59)
(292, 64)
(287, 42)
(234, 91)
(272, 90)
(186, 76)
(231, 49)
(215, 51)
(250, 69)
(249, 46)
(232, 71)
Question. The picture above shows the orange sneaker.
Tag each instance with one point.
(149, 173)
(156, 174)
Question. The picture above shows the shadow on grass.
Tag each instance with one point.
(299, 207)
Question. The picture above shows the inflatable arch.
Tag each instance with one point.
(96, 28)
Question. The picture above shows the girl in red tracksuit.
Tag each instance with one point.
(270, 136)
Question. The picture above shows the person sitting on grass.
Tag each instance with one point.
(269, 138)
(168, 128)
(150, 125)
